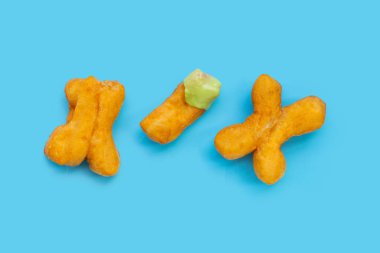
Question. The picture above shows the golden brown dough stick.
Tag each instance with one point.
(68, 144)
(241, 139)
(103, 156)
(171, 118)
(304, 116)
(269, 127)
(188, 102)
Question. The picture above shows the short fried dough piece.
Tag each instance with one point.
(188, 102)
(171, 118)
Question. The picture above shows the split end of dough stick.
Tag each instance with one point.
(187, 103)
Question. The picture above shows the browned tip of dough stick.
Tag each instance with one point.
(269, 127)
(103, 156)
(171, 118)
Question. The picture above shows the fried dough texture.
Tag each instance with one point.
(103, 156)
(165, 123)
(268, 128)
(93, 108)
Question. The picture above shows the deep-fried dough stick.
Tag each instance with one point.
(269, 127)
(94, 106)
(168, 121)
(187, 103)
(241, 139)
(68, 144)
(103, 156)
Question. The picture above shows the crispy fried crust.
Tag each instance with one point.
(171, 118)
(269, 127)
(304, 116)
(93, 108)
(103, 156)
(239, 140)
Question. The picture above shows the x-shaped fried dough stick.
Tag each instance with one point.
(269, 127)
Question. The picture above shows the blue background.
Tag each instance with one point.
(184, 197)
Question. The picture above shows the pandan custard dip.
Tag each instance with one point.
(201, 89)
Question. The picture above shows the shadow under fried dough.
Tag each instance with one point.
(240, 168)
(79, 170)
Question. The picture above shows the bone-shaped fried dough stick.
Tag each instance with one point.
(93, 108)
(165, 123)
(269, 127)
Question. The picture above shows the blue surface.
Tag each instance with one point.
(184, 197)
